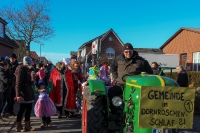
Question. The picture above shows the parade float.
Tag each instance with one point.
(150, 104)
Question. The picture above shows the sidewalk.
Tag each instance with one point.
(5, 127)
(58, 125)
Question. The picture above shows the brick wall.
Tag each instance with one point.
(186, 42)
(115, 44)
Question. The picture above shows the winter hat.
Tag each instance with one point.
(13, 55)
(128, 46)
(66, 61)
(41, 82)
(27, 61)
(6, 58)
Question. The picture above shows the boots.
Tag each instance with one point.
(19, 127)
(28, 126)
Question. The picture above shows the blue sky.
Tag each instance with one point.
(144, 23)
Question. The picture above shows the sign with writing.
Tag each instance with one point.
(166, 107)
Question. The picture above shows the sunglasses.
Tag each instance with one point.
(127, 52)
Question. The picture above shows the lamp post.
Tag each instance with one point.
(40, 52)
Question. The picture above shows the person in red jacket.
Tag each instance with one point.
(63, 90)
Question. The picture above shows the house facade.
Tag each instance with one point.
(43, 60)
(109, 46)
(185, 42)
(6, 44)
(34, 57)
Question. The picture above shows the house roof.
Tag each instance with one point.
(8, 42)
(3, 21)
(33, 55)
(196, 30)
(102, 37)
(148, 50)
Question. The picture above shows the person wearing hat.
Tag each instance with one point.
(24, 93)
(128, 62)
(13, 63)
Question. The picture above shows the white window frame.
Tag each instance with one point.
(196, 61)
(1, 30)
(110, 53)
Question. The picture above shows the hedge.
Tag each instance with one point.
(194, 81)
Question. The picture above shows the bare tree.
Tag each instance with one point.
(31, 22)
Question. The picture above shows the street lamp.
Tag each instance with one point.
(40, 52)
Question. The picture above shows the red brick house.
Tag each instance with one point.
(185, 42)
(110, 46)
(43, 60)
(6, 44)
(34, 57)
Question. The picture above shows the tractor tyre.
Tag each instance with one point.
(92, 113)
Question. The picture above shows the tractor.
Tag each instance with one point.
(96, 116)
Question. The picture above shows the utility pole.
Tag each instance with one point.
(40, 52)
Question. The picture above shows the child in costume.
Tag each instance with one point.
(44, 107)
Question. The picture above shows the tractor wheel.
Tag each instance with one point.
(92, 113)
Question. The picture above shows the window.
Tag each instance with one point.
(110, 39)
(110, 52)
(196, 61)
(183, 60)
(1, 30)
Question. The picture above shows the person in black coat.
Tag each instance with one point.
(182, 79)
(13, 63)
(50, 67)
(156, 69)
(24, 94)
(4, 83)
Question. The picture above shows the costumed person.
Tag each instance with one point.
(93, 72)
(77, 75)
(78, 79)
(24, 94)
(44, 107)
(104, 74)
(63, 90)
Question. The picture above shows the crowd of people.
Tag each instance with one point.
(57, 86)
